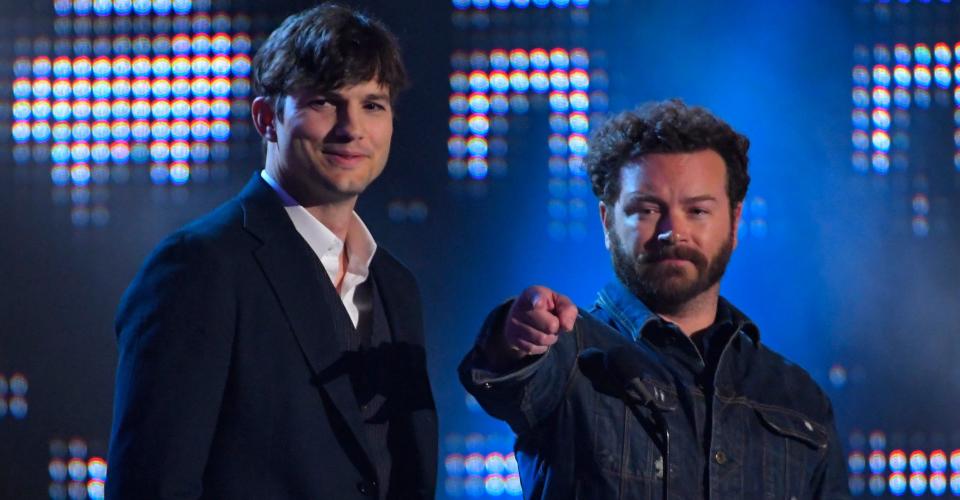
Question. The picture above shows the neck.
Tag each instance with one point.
(697, 313)
(336, 217)
(334, 212)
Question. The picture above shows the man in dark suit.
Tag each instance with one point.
(271, 349)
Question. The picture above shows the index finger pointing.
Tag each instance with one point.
(566, 311)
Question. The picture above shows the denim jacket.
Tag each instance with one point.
(767, 431)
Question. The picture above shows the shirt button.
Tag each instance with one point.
(720, 457)
(487, 385)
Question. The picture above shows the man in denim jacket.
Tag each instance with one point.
(663, 389)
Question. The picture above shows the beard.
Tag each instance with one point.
(666, 288)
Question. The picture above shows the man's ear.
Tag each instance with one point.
(264, 118)
(737, 212)
(604, 213)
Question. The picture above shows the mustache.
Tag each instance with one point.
(675, 252)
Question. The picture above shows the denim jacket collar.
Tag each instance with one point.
(631, 315)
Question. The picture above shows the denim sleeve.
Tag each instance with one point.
(529, 393)
(830, 481)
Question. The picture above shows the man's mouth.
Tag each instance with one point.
(345, 157)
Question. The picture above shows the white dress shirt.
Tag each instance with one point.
(360, 247)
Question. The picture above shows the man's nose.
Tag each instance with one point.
(671, 229)
(348, 124)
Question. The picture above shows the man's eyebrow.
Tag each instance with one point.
(700, 198)
(642, 198)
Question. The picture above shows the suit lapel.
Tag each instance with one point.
(309, 302)
(397, 298)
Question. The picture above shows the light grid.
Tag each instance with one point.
(889, 80)
(152, 84)
(753, 219)
(487, 86)
(518, 4)
(480, 466)
(127, 7)
(902, 472)
(75, 473)
(13, 396)
(887, 2)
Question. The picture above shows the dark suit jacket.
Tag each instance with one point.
(231, 382)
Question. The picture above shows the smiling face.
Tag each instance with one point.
(671, 231)
(327, 147)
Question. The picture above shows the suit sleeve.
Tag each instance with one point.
(530, 393)
(174, 330)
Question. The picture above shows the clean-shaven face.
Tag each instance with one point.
(333, 144)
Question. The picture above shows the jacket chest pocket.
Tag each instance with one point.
(793, 445)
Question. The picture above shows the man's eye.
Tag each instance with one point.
(376, 106)
(319, 103)
(647, 211)
(699, 211)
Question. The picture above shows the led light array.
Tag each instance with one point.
(488, 85)
(73, 474)
(127, 7)
(899, 472)
(402, 210)
(13, 396)
(886, 84)
(119, 109)
(905, 1)
(519, 4)
(753, 218)
(479, 466)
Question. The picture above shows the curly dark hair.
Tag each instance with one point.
(324, 48)
(664, 127)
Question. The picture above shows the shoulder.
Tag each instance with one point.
(216, 233)
(216, 228)
(196, 251)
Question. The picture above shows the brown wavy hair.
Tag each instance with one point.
(664, 127)
(324, 48)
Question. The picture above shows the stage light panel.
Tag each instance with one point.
(897, 484)
(861, 98)
(519, 59)
(921, 97)
(457, 147)
(479, 103)
(918, 461)
(881, 97)
(918, 484)
(479, 61)
(921, 76)
(459, 82)
(856, 484)
(881, 75)
(478, 81)
(539, 59)
(878, 462)
(477, 167)
(877, 484)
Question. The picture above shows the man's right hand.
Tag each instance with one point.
(535, 321)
